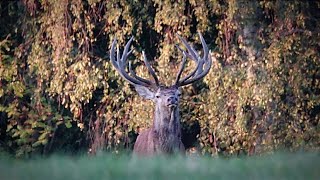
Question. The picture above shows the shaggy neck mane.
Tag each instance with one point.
(166, 128)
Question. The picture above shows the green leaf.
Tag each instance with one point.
(36, 144)
(68, 124)
(44, 142)
(43, 136)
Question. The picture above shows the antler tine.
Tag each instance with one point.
(180, 49)
(192, 73)
(125, 53)
(198, 72)
(201, 75)
(191, 52)
(151, 71)
(136, 76)
(205, 47)
(182, 64)
(194, 56)
(205, 53)
(112, 54)
(120, 64)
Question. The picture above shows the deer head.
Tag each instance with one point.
(165, 135)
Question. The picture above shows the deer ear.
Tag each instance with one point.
(144, 92)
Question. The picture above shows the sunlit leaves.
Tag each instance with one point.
(262, 92)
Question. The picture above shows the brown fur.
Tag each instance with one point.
(148, 143)
(164, 137)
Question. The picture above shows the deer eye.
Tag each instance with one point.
(157, 96)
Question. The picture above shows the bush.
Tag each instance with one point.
(58, 86)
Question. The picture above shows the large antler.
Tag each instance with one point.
(203, 64)
(121, 63)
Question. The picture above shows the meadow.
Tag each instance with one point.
(110, 166)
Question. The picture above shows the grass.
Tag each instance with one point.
(106, 166)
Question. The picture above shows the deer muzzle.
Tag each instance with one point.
(172, 102)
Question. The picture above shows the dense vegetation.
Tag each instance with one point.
(59, 92)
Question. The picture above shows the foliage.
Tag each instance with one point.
(58, 88)
(265, 95)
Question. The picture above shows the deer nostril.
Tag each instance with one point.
(172, 100)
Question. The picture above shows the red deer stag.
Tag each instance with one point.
(164, 137)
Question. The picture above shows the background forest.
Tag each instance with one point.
(59, 92)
